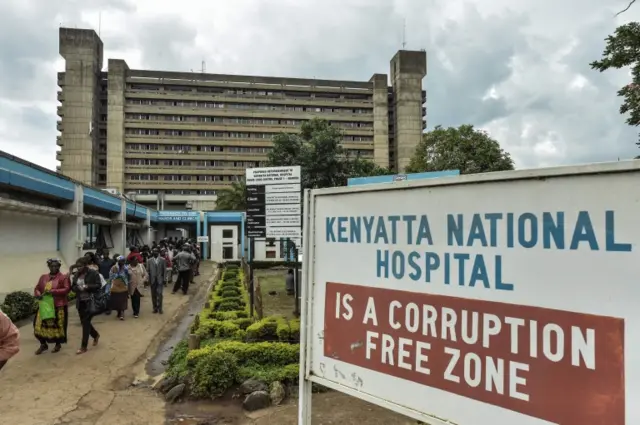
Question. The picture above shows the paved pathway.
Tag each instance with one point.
(93, 388)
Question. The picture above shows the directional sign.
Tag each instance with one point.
(274, 202)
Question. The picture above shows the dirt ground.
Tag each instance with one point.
(331, 408)
(94, 388)
(107, 385)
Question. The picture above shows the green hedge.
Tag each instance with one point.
(234, 348)
(215, 368)
(19, 305)
(228, 312)
(260, 265)
(275, 328)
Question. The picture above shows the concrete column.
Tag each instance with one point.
(242, 237)
(146, 233)
(82, 51)
(119, 230)
(70, 229)
(205, 232)
(118, 71)
(408, 68)
(381, 119)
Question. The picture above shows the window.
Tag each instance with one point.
(271, 254)
(227, 234)
(227, 251)
(97, 236)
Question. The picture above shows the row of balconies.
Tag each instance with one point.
(230, 126)
(177, 169)
(218, 141)
(229, 97)
(169, 185)
(238, 128)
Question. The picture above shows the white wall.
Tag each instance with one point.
(217, 242)
(262, 248)
(27, 242)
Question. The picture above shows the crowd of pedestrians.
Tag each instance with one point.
(103, 284)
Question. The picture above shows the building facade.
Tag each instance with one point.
(176, 138)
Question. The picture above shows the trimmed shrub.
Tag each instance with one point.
(261, 353)
(217, 329)
(294, 326)
(230, 305)
(264, 264)
(19, 305)
(213, 373)
(263, 330)
(177, 365)
(229, 292)
(288, 374)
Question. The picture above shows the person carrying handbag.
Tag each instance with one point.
(89, 299)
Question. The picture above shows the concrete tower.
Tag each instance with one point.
(82, 51)
(408, 68)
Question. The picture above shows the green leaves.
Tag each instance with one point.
(232, 199)
(318, 151)
(464, 148)
(623, 49)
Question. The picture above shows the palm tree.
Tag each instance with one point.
(232, 199)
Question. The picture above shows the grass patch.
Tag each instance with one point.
(275, 305)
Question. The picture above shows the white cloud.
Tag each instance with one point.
(518, 69)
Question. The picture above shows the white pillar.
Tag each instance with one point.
(71, 239)
(145, 232)
(119, 230)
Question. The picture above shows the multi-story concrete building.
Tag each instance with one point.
(173, 138)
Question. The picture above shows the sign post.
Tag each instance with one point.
(449, 301)
(273, 207)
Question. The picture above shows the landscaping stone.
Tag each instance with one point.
(166, 384)
(277, 393)
(256, 400)
(175, 393)
(252, 385)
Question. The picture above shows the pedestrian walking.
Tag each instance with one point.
(184, 263)
(119, 280)
(104, 268)
(168, 278)
(89, 299)
(139, 276)
(55, 286)
(9, 339)
(157, 267)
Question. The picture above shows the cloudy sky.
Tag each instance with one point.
(519, 69)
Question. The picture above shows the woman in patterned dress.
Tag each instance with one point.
(52, 331)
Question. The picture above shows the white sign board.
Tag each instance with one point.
(273, 202)
(284, 221)
(283, 232)
(504, 299)
(204, 239)
(282, 198)
(272, 175)
(280, 188)
(286, 209)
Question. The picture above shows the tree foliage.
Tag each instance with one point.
(622, 50)
(232, 199)
(463, 148)
(317, 150)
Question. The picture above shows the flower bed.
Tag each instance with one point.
(234, 348)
